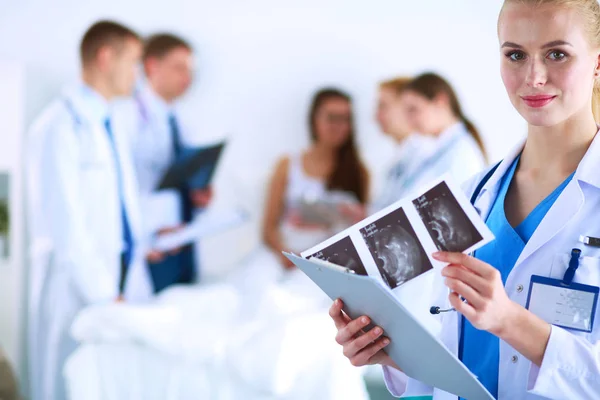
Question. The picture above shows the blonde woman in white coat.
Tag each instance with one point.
(550, 65)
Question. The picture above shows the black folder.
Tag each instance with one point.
(194, 168)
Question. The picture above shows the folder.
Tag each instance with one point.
(413, 348)
(195, 168)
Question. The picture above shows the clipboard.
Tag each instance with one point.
(416, 351)
(195, 167)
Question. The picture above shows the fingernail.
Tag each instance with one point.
(386, 342)
(364, 320)
(337, 302)
(378, 331)
(437, 254)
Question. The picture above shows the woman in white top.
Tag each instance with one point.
(543, 205)
(330, 164)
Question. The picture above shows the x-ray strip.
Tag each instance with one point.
(342, 253)
(396, 243)
(395, 248)
(449, 218)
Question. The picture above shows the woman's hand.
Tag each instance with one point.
(361, 348)
(295, 220)
(201, 198)
(488, 307)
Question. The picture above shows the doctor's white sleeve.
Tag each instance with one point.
(570, 368)
(75, 252)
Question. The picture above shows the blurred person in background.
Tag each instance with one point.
(331, 163)
(8, 382)
(157, 141)
(425, 119)
(433, 109)
(85, 234)
(411, 147)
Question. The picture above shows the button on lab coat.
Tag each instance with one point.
(571, 364)
(75, 227)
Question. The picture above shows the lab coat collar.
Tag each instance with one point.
(568, 203)
(566, 206)
(586, 172)
(151, 104)
(87, 103)
(488, 193)
(413, 143)
(589, 167)
(451, 132)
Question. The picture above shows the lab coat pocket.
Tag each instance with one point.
(588, 273)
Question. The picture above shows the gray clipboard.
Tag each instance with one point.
(416, 351)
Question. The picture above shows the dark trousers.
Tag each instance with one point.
(174, 269)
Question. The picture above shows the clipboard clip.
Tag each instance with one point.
(590, 241)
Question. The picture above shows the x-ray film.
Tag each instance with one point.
(396, 244)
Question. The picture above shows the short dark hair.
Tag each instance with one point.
(103, 33)
(158, 45)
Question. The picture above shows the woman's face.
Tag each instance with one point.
(424, 114)
(391, 114)
(333, 122)
(548, 64)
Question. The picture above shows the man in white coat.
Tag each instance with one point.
(83, 208)
(157, 140)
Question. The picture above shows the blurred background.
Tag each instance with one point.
(257, 65)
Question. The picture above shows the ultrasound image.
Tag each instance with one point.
(446, 222)
(342, 253)
(395, 248)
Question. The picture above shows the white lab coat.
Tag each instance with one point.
(146, 120)
(75, 233)
(571, 364)
(408, 153)
(423, 159)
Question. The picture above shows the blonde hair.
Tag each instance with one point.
(590, 11)
(397, 84)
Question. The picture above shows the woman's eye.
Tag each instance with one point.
(516, 55)
(556, 55)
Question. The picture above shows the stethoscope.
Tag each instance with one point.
(575, 253)
(436, 309)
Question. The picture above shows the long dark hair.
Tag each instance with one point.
(349, 172)
(430, 85)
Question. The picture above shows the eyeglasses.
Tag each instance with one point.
(332, 118)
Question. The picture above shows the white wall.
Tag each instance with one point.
(259, 62)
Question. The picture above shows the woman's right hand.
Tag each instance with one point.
(361, 348)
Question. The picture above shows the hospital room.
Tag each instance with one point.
(181, 181)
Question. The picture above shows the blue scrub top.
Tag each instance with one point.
(480, 350)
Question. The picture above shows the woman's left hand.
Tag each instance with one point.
(488, 306)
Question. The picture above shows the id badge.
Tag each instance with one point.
(570, 306)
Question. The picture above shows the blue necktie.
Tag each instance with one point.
(126, 227)
(175, 135)
(187, 208)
